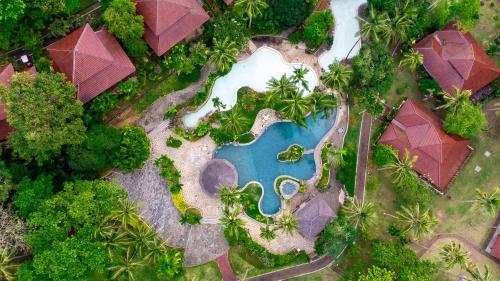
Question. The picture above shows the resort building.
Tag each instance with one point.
(92, 60)
(313, 217)
(419, 131)
(6, 72)
(454, 58)
(493, 246)
(168, 22)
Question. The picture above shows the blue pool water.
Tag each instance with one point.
(288, 187)
(257, 161)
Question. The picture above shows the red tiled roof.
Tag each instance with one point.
(92, 61)
(419, 131)
(6, 72)
(228, 1)
(455, 58)
(495, 250)
(167, 22)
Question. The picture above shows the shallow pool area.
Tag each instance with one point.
(289, 188)
(257, 161)
(345, 36)
(254, 72)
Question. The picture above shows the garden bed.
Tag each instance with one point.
(294, 153)
(251, 196)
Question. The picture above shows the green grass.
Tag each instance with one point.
(322, 275)
(242, 261)
(208, 271)
(488, 26)
(86, 3)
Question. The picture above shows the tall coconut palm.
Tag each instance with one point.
(403, 168)
(7, 266)
(399, 25)
(141, 237)
(453, 254)
(361, 213)
(295, 107)
(115, 241)
(156, 250)
(250, 8)
(455, 101)
(373, 27)
(287, 223)
(229, 195)
(233, 121)
(267, 232)
(231, 222)
(412, 59)
(126, 213)
(299, 76)
(322, 103)
(487, 201)
(337, 77)
(223, 54)
(415, 221)
(277, 89)
(126, 266)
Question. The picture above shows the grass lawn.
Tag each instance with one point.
(451, 274)
(86, 3)
(322, 275)
(488, 26)
(243, 262)
(208, 271)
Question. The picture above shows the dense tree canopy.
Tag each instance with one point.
(46, 115)
(134, 149)
(289, 13)
(29, 193)
(335, 237)
(467, 121)
(373, 68)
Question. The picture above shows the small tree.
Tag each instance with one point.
(250, 8)
(415, 221)
(412, 59)
(487, 201)
(360, 213)
(383, 155)
(337, 77)
(288, 223)
(230, 196)
(403, 168)
(466, 122)
(267, 232)
(224, 54)
(135, 149)
(377, 274)
(453, 254)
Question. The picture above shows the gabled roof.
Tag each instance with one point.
(313, 217)
(6, 72)
(92, 61)
(439, 155)
(454, 58)
(167, 22)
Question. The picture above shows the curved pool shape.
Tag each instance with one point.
(257, 160)
(289, 188)
(253, 72)
(346, 28)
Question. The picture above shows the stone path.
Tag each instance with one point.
(225, 268)
(363, 153)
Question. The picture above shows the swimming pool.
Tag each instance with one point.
(257, 161)
(345, 36)
(254, 72)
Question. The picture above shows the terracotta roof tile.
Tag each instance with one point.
(419, 131)
(495, 250)
(6, 72)
(92, 61)
(455, 58)
(168, 22)
(228, 1)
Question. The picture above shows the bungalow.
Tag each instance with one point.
(314, 216)
(92, 60)
(454, 58)
(168, 22)
(6, 72)
(419, 131)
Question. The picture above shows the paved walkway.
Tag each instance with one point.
(363, 153)
(296, 271)
(225, 268)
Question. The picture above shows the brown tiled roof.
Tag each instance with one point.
(440, 155)
(167, 22)
(228, 1)
(495, 250)
(6, 72)
(455, 58)
(313, 217)
(92, 61)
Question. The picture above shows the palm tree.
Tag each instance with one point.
(278, 89)
(231, 222)
(372, 27)
(403, 168)
(478, 276)
(7, 266)
(224, 54)
(126, 213)
(337, 77)
(267, 232)
(361, 213)
(115, 241)
(487, 201)
(127, 266)
(218, 104)
(170, 265)
(399, 25)
(141, 237)
(287, 223)
(452, 254)
(338, 154)
(233, 121)
(251, 8)
(157, 249)
(415, 221)
(321, 102)
(295, 107)
(299, 76)
(453, 102)
(412, 59)
(229, 195)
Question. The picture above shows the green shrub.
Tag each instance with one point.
(169, 172)
(467, 122)
(296, 36)
(220, 136)
(191, 216)
(428, 85)
(127, 89)
(30, 193)
(135, 149)
(346, 173)
(173, 142)
(316, 28)
(96, 110)
(293, 154)
(383, 155)
(288, 13)
(337, 235)
(171, 112)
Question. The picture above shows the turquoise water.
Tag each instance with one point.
(257, 161)
(288, 188)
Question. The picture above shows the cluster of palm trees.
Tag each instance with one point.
(232, 198)
(453, 254)
(250, 8)
(223, 54)
(132, 244)
(337, 77)
(8, 267)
